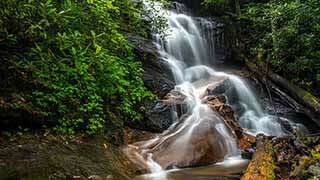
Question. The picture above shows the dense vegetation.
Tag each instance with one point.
(68, 62)
(285, 33)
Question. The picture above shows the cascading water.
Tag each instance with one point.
(189, 56)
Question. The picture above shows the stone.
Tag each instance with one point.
(217, 103)
(219, 87)
(157, 75)
(158, 116)
(204, 146)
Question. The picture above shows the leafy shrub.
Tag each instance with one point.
(75, 64)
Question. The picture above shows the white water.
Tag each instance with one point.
(189, 55)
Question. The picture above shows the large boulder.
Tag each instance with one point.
(204, 146)
(220, 87)
(159, 116)
(223, 86)
(218, 104)
(184, 145)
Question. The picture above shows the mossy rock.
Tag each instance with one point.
(262, 166)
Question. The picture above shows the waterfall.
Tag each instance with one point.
(189, 49)
(189, 54)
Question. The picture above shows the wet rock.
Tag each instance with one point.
(220, 87)
(158, 116)
(158, 79)
(157, 82)
(184, 145)
(174, 97)
(223, 87)
(157, 75)
(217, 103)
(204, 146)
(176, 100)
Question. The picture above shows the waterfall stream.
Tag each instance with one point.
(190, 52)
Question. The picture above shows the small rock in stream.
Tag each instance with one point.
(247, 153)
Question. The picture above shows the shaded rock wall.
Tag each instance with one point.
(157, 75)
(158, 79)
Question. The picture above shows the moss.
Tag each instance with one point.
(307, 97)
(262, 166)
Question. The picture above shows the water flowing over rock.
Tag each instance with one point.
(207, 127)
(205, 141)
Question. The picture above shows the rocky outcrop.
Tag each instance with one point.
(156, 76)
(157, 117)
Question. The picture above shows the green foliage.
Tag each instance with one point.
(213, 2)
(288, 33)
(77, 65)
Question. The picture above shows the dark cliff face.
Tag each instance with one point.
(200, 10)
(195, 5)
